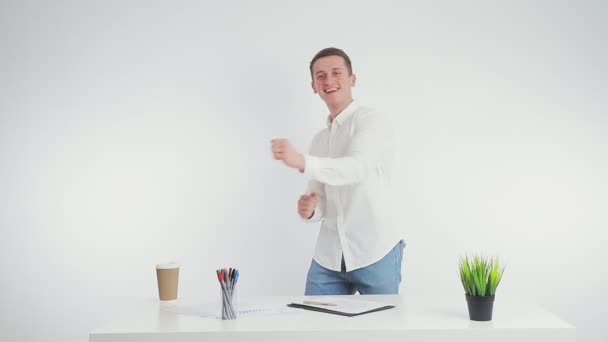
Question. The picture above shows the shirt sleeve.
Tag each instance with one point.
(370, 147)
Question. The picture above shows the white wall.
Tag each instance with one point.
(132, 133)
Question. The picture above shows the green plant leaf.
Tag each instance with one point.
(480, 275)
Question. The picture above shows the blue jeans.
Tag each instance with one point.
(381, 277)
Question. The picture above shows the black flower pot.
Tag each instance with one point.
(480, 308)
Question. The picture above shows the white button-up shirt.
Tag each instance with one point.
(349, 164)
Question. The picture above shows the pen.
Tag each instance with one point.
(314, 302)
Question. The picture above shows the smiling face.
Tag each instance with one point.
(332, 80)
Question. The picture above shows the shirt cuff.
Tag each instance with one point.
(311, 165)
(316, 215)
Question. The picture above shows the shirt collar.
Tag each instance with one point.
(344, 114)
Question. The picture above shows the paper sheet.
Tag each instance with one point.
(214, 311)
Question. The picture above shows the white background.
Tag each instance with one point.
(138, 132)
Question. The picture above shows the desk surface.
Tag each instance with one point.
(413, 319)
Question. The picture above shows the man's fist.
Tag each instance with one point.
(307, 205)
(282, 150)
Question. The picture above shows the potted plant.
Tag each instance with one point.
(480, 277)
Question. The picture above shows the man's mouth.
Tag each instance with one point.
(331, 90)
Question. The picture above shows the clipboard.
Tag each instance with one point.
(341, 306)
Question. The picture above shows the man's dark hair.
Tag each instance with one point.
(332, 51)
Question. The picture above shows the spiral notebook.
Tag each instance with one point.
(339, 305)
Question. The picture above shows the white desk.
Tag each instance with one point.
(414, 319)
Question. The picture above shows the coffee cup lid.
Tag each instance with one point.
(167, 265)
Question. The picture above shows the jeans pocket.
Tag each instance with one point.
(399, 262)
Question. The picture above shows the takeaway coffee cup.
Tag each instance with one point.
(167, 276)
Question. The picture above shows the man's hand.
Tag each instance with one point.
(282, 150)
(307, 205)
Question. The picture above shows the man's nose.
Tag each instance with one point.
(328, 81)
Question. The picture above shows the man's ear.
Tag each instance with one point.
(312, 84)
(353, 80)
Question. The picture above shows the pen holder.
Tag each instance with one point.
(228, 277)
(229, 301)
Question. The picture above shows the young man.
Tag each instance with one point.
(349, 166)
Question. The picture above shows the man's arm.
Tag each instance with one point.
(371, 144)
(370, 147)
